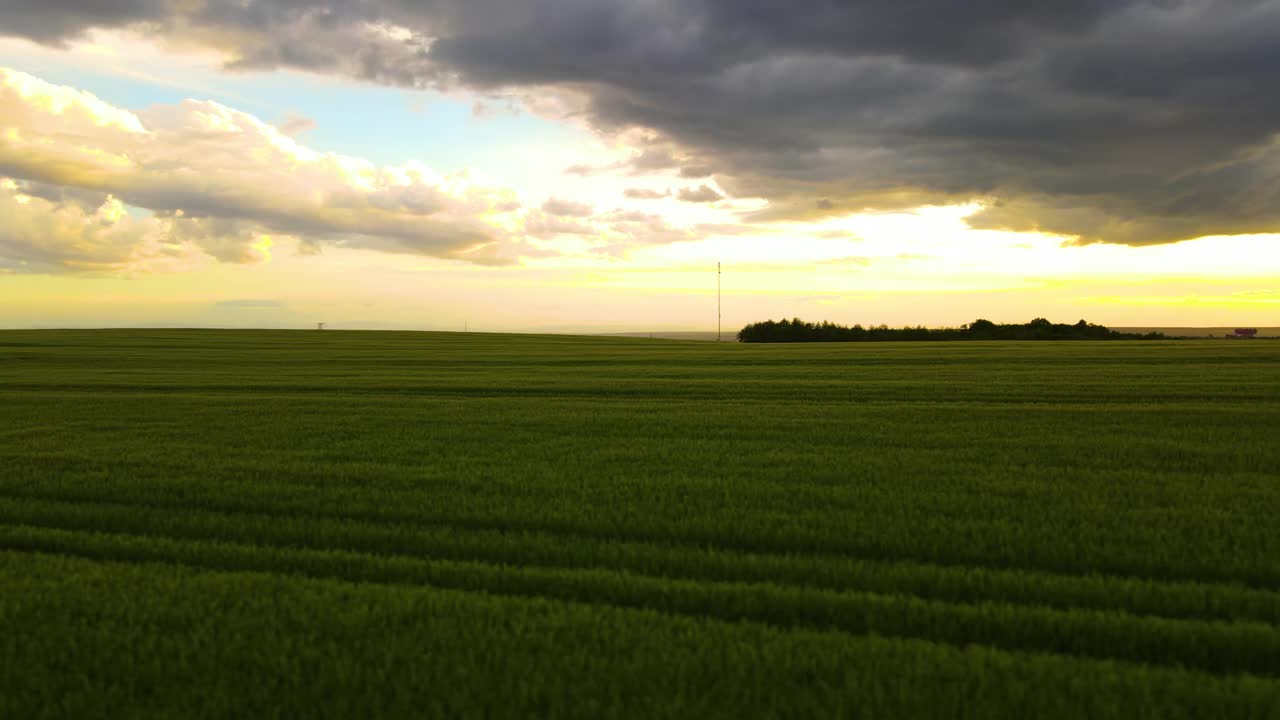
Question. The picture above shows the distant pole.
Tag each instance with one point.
(717, 302)
(466, 326)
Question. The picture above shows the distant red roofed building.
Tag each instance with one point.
(1247, 333)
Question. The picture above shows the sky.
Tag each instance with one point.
(583, 165)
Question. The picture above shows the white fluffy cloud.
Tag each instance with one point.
(207, 179)
(38, 234)
(219, 178)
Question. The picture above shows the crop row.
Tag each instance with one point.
(530, 548)
(1238, 647)
(863, 521)
(177, 641)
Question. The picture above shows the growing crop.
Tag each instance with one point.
(232, 523)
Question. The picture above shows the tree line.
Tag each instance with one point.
(797, 330)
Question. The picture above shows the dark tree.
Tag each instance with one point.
(797, 330)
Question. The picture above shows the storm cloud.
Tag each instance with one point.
(1130, 121)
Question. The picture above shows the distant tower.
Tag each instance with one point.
(320, 326)
(717, 302)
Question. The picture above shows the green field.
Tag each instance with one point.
(311, 524)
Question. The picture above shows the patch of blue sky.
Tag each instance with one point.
(391, 126)
(136, 212)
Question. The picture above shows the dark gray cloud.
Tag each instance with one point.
(60, 195)
(56, 21)
(1135, 121)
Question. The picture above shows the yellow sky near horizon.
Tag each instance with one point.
(362, 288)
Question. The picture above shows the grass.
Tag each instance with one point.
(223, 523)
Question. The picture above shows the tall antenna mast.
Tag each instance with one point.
(717, 302)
